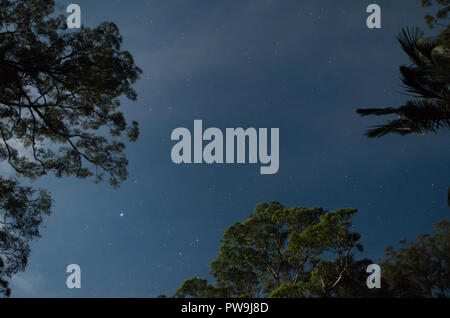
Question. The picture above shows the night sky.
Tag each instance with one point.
(300, 66)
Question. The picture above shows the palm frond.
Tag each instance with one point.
(417, 116)
(424, 82)
(399, 126)
(448, 197)
(416, 45)
(376, 111)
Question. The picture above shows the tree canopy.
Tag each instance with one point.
(427, 79)
(59, 90)
(60, 95)
(309, 252)
(22, 209)
(282, 252)
(442, 13)
(422, 268)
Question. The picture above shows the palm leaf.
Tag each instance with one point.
(376, 111)
(418, 116)
(415, 45)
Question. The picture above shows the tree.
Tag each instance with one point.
(199, 288)
(420, 269)
(441, 14)
(427, 79)
(60, 88)
(309, 252)
(282, 252)
(22, 211)
(59, 103)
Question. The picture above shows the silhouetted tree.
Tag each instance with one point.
(441, 14)
(427, 79)
(59, 91)
(21, 214)
(59, 101)
(420, 269)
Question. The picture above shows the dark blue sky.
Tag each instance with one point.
(301, 66)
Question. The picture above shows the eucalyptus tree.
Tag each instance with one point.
(282, 252)
(59, 112)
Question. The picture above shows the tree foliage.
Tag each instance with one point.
(59, 112)
(282, 252)
(441, 14)
(422, 268)
(21, 212)
(309, 252)
(59, 91)
(427, 79)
